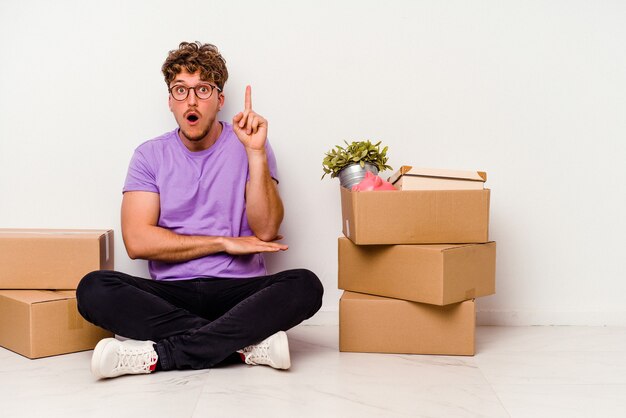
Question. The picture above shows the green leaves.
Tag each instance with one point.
(360, 152)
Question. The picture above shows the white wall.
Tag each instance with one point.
(532, 92)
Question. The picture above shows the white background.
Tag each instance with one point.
(531, 92)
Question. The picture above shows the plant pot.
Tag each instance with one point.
(354, 173)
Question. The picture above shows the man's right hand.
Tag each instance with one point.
(251, 245)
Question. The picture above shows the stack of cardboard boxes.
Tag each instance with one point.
(39, 272)
(412, 262)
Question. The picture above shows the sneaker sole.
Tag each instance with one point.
(284, 351)
(97, 355)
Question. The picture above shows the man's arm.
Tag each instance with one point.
(144, 239)
(263, 204)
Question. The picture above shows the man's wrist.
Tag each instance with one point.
(256, 153)
(257, 159)
(221, 243)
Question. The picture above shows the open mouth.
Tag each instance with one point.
(192, 118)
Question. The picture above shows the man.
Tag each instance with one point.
(201, 204)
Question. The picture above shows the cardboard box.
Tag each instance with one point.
(438, 274)
(416, 216)
(373, 324)
(52, 258)
(40, 323)
(410, 178)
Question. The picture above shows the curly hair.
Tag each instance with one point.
(195, 56)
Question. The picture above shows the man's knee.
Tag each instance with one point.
(310, 289)
(90, 291)
(88, 285)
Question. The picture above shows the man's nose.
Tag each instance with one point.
(191, 97)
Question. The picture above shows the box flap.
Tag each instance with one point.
(66, 294)
(395, 176)
(448, 247)
(407, 170)
(37, 296)
(53, 233)
(428, 247)
(347, 295)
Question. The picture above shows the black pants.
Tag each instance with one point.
(198, 323)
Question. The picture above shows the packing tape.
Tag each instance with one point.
(106, 246)
(470, 294)
(74, 319)
(347, 228)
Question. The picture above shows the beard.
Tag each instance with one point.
(197, 137)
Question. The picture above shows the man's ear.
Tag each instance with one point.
(220, 101)
(169, 102)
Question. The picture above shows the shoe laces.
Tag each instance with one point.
(257, 353)
(136, 359)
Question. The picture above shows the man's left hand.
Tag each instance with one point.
(250, 127)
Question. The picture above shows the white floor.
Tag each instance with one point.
(517, 372)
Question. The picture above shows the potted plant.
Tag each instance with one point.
(352, 162)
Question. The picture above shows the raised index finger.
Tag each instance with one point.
(248, 102)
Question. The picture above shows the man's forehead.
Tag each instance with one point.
(185, 76)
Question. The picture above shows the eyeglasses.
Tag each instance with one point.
(203, 91)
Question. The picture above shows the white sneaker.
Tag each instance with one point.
(272, 351)
(112, 358)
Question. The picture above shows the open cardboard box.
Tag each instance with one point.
(52, 258)
(438, 274)
(416, 216)
(41, 323)
(374, 324)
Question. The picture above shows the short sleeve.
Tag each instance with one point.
(141, 175)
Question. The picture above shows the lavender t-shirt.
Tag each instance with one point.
(201, 193)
